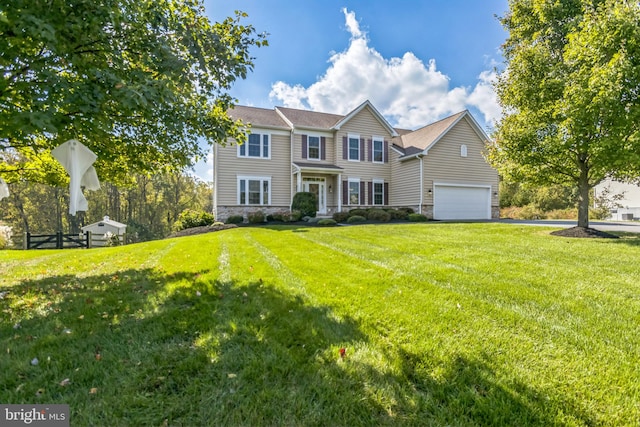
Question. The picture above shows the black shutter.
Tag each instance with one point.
(345, 192)
(304, 146)
(369, 149)
(323, 150)
(362, 190)
(362, 149)
(370, 192)
(344, 148)
(386, 194)
(386, 152)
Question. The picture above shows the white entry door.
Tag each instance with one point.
(317, 186)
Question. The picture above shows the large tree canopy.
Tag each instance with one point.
(139, 82)
(570, 93)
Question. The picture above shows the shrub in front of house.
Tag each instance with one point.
(190, 218)
(398, 214)
(354, 219)
(358, 212)
(341, 216)
(256, 217)
(305, 202)
(414, 217)
(327, 222)
(378, 215)
(407, 210)
(293, 216)
(235, 219)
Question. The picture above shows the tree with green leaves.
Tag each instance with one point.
(139, 82)
(570, 94)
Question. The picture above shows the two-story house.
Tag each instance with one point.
(355, 161)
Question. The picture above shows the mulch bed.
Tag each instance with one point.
(583, 232)
(201, 230)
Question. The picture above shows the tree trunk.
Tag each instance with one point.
(17, 200)
(583, 188)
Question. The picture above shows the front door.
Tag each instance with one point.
(317, 187)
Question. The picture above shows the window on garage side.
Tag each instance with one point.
(257, 145)
(254, 190)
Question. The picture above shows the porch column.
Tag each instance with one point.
(299, 182)
(339, 185)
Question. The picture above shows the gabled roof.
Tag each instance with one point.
(369, 105)
(105, 221)
(308, 119)
(260, 117)
(421, 140)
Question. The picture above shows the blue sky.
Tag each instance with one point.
(416, 61)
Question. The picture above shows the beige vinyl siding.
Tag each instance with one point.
(366, 126)
(405, 188)
(444, 164)
(230, 166)
(330, 153)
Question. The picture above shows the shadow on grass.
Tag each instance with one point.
(142, 347)
(626, 238)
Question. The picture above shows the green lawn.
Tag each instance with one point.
(442, 324)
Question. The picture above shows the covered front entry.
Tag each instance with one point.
(318, 187)
(320, 179)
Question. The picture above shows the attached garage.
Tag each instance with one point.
(453, 201)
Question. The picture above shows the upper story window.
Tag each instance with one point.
(354, 148)
(257, 145)
(378, 150)
(313, 148)
(463, 150)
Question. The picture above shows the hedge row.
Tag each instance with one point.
(373, 214)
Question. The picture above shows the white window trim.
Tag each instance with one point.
(463, 150)
(246, 147)
(319, 148)
(349, 138)
(373, 151)
(253, 178)
(373, 191)
(356, 180)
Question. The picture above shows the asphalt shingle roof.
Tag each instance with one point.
(258, 116)
(310, 119)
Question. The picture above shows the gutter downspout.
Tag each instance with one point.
(291, 181)
(214, 152)
(419, 157)
(339, 185)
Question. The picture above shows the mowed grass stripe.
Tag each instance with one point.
(557, 322)
(244, 327)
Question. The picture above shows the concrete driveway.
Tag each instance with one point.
(623, 226)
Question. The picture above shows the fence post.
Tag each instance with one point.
(89, 239)
(59, 244)
(27, 240)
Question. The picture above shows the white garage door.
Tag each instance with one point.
(460, 202)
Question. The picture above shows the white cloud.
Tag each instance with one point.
(407, 91)
(484, 97)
